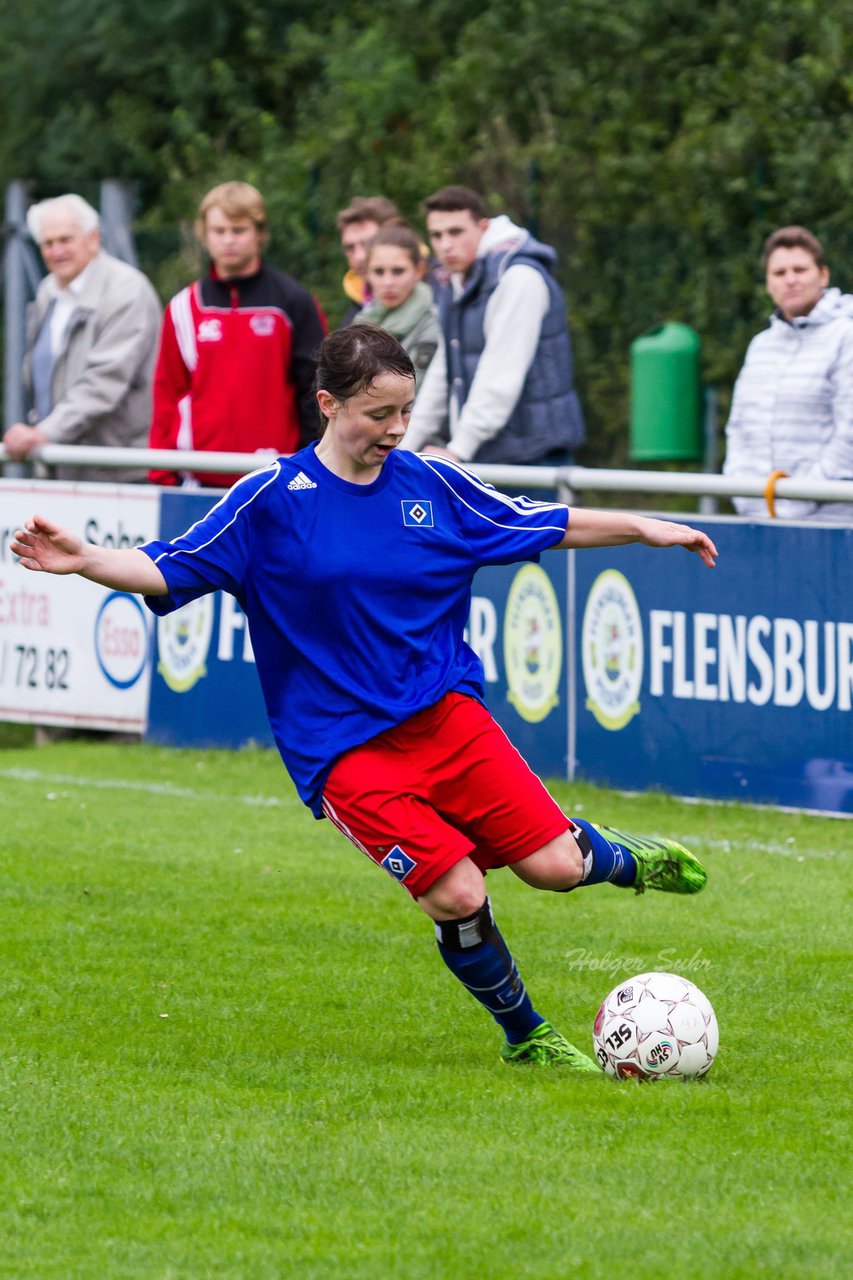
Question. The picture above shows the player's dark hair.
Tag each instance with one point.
(350, 360)
(793, 238)
(454, 199)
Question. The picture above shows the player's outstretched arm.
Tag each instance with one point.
(615, 528)
(45, 547)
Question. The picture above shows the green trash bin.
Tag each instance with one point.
(666, 394)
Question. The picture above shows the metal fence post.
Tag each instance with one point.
(14, 303)
(117, 200)
(565, 492)
(709, 505)
(21, 274)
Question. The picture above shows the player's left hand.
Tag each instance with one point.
(665, 533)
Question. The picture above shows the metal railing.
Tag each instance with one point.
(570, 481)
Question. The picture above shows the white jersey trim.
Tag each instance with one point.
(274, 470)
(185, 423)
(522, 506)
(330, 813)
(182, 319)
(263, 308)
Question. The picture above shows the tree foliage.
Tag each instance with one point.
(655, 144)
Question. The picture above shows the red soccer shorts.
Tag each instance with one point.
(444, 785)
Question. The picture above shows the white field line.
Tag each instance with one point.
(146, 788)
(792, 847)
(760, 808)
(799, 849)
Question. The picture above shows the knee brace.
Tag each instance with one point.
(470, 931)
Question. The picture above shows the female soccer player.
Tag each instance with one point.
(353, 562)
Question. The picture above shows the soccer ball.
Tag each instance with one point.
(656, 1025)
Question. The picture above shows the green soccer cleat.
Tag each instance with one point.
(661, 864)
(545, 1047)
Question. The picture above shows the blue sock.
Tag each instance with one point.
(475, 953)
(604, 859)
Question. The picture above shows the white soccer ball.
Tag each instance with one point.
(656, 1025)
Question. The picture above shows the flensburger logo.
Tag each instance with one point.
(612, 647)
(183, 639)
(533, 644)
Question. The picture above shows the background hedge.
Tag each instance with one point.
(654, 142)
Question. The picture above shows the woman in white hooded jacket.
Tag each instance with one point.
(792, 408)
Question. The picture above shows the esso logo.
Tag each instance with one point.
(121, 639)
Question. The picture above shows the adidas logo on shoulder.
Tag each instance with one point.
(301, 481)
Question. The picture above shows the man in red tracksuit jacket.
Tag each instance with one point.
(235, 367)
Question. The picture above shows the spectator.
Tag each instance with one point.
(401, 302)
(357, 225)
(792, 408)
(91, 340)
(235, 367)
(500, 388)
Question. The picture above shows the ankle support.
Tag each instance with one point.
(585, 845)
(470, 931)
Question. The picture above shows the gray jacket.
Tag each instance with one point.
(101, 383)
(792, 408)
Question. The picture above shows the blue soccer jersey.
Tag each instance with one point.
(356, 595)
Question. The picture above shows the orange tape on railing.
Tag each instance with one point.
(770, 491)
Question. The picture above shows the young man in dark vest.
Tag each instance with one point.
(500, 388)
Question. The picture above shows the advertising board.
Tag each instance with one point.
(630, 667)
(205, 690)
(73, 653)
(735, 683)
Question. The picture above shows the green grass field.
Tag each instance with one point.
(230, 1049)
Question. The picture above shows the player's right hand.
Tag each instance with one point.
(45, 547)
